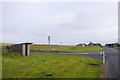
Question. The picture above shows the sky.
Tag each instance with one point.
(69, 23)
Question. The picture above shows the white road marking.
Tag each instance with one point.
(75, 53)
(81, 53)
(101, 52)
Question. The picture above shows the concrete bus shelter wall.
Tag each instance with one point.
(23, 48)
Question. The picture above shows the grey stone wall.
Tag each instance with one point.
(16, 48)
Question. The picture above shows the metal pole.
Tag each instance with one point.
(61, 46)
(48, 42)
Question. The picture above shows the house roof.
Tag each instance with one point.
(27, 43)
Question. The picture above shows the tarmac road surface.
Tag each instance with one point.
(95, 55)
(111, 64)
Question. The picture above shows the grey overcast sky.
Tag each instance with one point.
(67, 22)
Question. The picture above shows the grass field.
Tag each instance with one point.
(0, 62)
(57, 48)
(118, 48)
(49, 66)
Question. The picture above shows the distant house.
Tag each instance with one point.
(82, 45)
(91, 44)
(94, 44)
(113, 45)
(98, 44)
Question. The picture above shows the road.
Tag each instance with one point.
(95, 55)
(109, 58)
(111, 64)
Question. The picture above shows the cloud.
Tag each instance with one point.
(70, 23)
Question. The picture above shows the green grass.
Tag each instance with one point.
(57, 48)
(118, 48)
(40, 65)
(0, 62)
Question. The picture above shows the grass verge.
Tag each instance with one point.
(58, 48)
(49, 66)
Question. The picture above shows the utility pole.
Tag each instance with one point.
(48, 42)
(61, 46)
